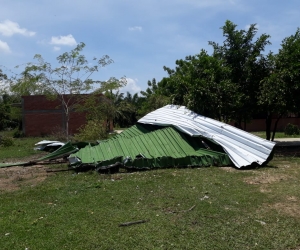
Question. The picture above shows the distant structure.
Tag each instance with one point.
(42, 116)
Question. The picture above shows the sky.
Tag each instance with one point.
(141, 36)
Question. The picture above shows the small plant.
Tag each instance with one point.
(291, 129)
(18, 133)
(6, 141)
(59, 134)
(93, 130)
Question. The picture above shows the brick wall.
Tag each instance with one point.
(260, 124)
(42, 116)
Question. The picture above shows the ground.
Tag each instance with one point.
(13, 178)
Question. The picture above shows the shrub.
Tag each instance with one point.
(6, 141)
(59, 134)
(18, 133)
(291, 129)
(93, 130)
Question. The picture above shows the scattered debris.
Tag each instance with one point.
(261, 222)
(183, 211)
(204, 197)
(125, 224)
(63, 151)
(48, 145)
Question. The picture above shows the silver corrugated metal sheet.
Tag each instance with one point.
(243, 148)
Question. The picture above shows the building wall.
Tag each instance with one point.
(260, 124)
(42, 116)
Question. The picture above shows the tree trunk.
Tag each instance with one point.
(268, 125)
(275, 127)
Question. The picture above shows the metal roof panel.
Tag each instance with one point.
(242, 147)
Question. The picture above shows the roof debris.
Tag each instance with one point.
(243, 148)
(176, 136)
(167, 137)
(48, 145)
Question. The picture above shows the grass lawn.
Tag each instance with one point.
(22, 148)
(262, 134)
(183, 208)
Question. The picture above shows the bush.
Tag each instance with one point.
(59, 134)
(93, 130)
(6, 141)
(291, 129)
(18, 133)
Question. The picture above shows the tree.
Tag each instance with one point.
(3, 82)
(152, 99)
(202, 83)
(135, 102)
(119, 109)
(280, 91)
(243, 55)
(65, 82)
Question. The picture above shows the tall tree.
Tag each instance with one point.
(280, 91)
(242, 53)
(65, 82)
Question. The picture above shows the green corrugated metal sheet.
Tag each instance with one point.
(139, 147)
(65, 150)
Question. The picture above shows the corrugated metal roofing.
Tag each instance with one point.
(243, 148)
(138, 147)
(63, 151)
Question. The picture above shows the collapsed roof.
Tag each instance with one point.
(176, 136)
(146, 147)
(243, 148)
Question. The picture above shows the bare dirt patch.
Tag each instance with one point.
(229, 169)
(289, 207)
(13, 178)
(266, 178)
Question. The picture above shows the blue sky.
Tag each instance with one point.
(141, 36)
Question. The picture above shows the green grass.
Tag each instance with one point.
(83, 211)
(262, 134)
(187, 208)
(22, 148)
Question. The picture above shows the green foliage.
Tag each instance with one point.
(223, 85)
(242, 54)
(18, 133)
(202, 83)
(10, 117)
(59, 134)
(291, 129)
(111, 107)
(6, 141)
(93, 130)
(280, 91)
(154, 97)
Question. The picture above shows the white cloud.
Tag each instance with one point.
(4, 47)
(9, 28)
(135, 28)
(131, 86)
(68, 40)
(56, 48)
